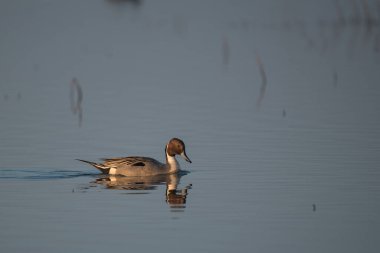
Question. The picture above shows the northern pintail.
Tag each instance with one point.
(144, 166)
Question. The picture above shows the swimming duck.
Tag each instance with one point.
(144, 166)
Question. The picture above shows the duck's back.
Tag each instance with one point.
(134, 166)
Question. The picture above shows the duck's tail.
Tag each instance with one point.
(99, 166)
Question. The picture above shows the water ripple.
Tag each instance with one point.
(39, 174)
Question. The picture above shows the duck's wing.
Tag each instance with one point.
(131, 161)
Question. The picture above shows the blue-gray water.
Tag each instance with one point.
(277, 102)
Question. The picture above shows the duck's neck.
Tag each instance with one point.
(172, 164)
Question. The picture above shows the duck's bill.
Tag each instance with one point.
(184, 156)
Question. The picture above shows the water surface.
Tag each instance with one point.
(278, 104)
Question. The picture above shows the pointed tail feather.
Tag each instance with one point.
(99, 166)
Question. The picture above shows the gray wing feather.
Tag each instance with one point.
(137, 161)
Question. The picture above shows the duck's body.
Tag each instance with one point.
(144, 166)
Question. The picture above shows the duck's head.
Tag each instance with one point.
(176, 147)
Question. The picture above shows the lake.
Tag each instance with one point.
(276, 101)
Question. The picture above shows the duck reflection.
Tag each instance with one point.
(174, 196)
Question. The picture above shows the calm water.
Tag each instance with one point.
(278, 104)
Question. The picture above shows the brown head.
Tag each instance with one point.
(176, 147)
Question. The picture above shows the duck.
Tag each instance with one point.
(138, 166)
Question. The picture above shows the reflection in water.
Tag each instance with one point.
(376, 45)
(339, 12)
(301, 28)
(284, 113)
(6, 96)
(335, 78)
(76, 97)
(355, 21)
(225, 51)
(134, 2)
(176, 198)
(263, 80)
(367, 13)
